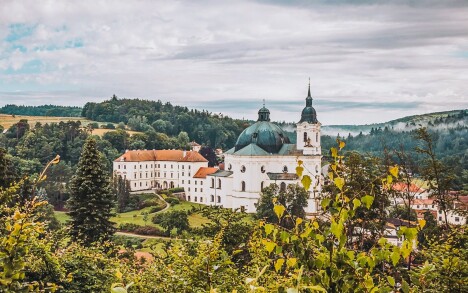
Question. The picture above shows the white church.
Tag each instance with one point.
(261, 156)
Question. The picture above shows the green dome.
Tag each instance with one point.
(264, 134)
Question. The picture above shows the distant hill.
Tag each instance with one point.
(439, 120)
(44, 110)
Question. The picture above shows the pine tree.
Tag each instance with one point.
(91, 198)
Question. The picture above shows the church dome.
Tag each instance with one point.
(308, 113)
(268, 136)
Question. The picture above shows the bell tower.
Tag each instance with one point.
(308, 129)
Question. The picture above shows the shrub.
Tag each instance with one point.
(141, 230)
(150, 203)
(176, 189)
(156, 209)
(172, 200)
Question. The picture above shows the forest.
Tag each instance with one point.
(44, 110)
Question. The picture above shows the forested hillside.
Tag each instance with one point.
(450, 145)
(439, 120)
(44, 110)
(158, 117)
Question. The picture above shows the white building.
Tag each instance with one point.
(263, 154)
(160, 169)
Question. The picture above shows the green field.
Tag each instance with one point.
(136, 217)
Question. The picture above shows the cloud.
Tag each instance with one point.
(369, 61)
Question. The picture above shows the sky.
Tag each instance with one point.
(368, 61)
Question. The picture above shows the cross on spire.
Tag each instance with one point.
(264, 103)
(308, 95)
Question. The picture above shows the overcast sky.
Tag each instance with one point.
(368, 61)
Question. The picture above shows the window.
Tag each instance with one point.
(219, 183)
(212, 182)
(146, 175)
(182, 181)
(125, 166)
(141, 175)
(212, 198)
(261, 186)
(196, 182)
(189, 167)
(189, 182)
(283, 187)
(151, 174)
(242, 169)
(305, 136)
(243, 186)
(135, 184)
(159, 166)
(457, 219)
(285, 169)
(440, 218)
(189, 189)
(195, 189)
(172, 166)
(201, 189)
(242, 208)
(195, 199)
(229, 167)
(219, 198)
(140, 184)
(440, 212)
(201, 182)
(172, 175)
(134, 167)
(182, 173)
(201, 199)
(262, 169)
(182, 168)
(164, 165)
(316, 137)
(146, 166)
(188, 198)
(164, 174)
(146, 183)
(118, 166)
(135, 175)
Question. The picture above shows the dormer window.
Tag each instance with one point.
(285, 169)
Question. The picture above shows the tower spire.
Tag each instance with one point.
(308, 95)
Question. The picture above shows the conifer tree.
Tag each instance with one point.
(91, 198)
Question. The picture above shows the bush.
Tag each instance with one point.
(156, 209)
(141, 230)
(128, 242)
(172, 200)
(176, 189)
(173, 219)
(151, 203)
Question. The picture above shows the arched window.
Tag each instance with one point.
(262, 169)
(316, 137)
(261, 186)
(283, 187)
(243, 186)
(305, 136)
(285, 169)
(219, 183)
(229, 167)
(212, 198)
(219, 199)
(243, 169)
(212, 182)
(172, 184)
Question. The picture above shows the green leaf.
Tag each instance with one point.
(269, 228)
(339, 182)
(336, 229)
(299, 171)
(391, 281)
(279, 210)
(306, 182)
(325, 202)
(279, 264)
(395, 256)
(356, 203)
(315, 288)
(367, 200)
(404, 286)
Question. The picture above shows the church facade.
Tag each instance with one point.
(262, 155)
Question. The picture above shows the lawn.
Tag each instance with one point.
(136, 217)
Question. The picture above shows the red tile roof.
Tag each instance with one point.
(161, 155)
(203, 171)
(403, 187)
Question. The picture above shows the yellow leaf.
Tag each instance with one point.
(56, 160)
(306, 182)
(298, 221)
(278, 264)
(291, 262)
(334, 152)
(299, 171)
(330, 175)
(394, 171)
(339, 182)
(269, 246)
(279, 210)
(342, 144)
(422, 223)
(300, 162)
(118, 274)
